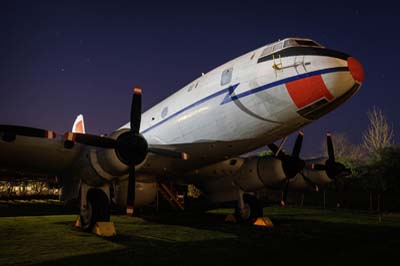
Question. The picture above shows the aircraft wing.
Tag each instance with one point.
(27, 151)
(199, 154)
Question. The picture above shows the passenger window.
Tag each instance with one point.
(226, 76)
(190, 87)
(164, 112)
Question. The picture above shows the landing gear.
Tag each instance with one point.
(96, 209)
(248, 209)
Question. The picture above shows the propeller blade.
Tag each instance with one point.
(273, 148)
(285, 193)
(168, 153)
(331, 153)
(130, 201)
(136, 116)
(337, 193)
(92, 140)
(136, 109)
(297, 145)
(11, 131)
(308, 181)
(277, 151)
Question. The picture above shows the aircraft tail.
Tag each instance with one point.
(79, 125)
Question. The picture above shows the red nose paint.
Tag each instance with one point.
(308, 90)
(356, 69)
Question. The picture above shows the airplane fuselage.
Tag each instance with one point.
(254, 99)
(235, 108)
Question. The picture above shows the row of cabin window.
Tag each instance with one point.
(226, 77)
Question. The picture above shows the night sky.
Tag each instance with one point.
(62, 58)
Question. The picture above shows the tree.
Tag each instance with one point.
(193, 191)
(379, 134)
(379, 172)
(266, 153)
(382, 173)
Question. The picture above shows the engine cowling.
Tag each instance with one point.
(318, 177)
(145, 194)
(108, 159)
(259, 172)
(221, 181)
(98, 165)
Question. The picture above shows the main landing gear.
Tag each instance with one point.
(248, 209)
(95, 211)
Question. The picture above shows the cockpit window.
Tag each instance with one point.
(266, 51)
(276, 48)
(306, 43)
(272, 48)
(290, 43)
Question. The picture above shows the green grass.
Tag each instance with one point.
(300, 236)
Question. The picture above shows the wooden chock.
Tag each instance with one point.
(105, 229)
(78, 222)
(263, 221)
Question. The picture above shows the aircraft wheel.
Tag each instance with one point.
(97, 209)
(252, 209)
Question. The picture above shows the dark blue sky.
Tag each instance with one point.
(62, 58)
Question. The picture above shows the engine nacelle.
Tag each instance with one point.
(221, 181)
(108, 159)
(299, 184)
(318, 177)
(259, 172)
(97, 165)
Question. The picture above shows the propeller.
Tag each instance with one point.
(292, 164)
(9, 132)
(131, 147)
(136, 116)
(333, 169)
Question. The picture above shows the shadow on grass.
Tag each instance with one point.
(193, 238)
(289, 242)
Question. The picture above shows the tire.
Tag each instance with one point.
(97, 209)
(254, 206)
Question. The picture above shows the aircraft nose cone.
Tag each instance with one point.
(356, 69)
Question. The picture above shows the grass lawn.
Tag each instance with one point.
(300, 236)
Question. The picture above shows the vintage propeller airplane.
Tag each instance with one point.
(196, 135)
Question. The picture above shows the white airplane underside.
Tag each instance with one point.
(247, 103)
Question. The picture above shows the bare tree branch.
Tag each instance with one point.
(379, 134)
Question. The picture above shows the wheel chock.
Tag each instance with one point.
(263, 221)
(78, 222)
(105, 229)
(230, 218)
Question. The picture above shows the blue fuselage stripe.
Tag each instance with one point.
(231, 89)
(284, 81)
